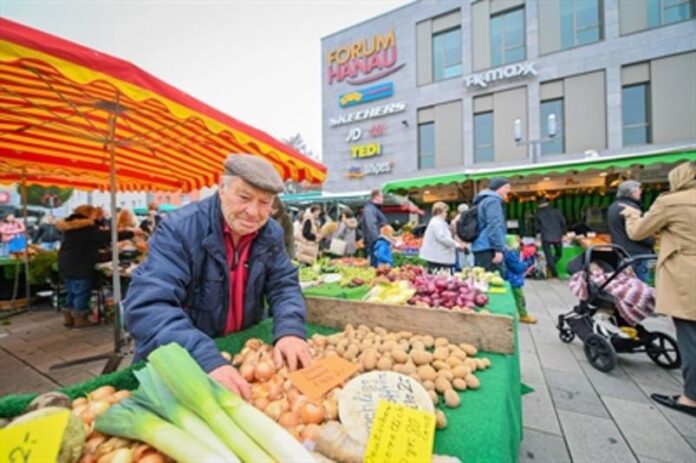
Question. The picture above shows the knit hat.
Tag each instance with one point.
(625, 189)
(255, 171)
(511, 241)
(497, 182)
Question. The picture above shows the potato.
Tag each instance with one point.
(440, 365)
(369, 360)
(404, 344)
(441, 353)
(417, 345)
(399, 355)
(421, 357)
(390, 337)
(365, 344)
(415, 376)
(460, 354)
(459, 384)
(405, 335)
(461, 371)
(387, 346)
(433, 396)
(453, 361)
(487, 362)
(447, 374)
(384, 363)
(428, 341)
(441, 419)
(452, 399)
(381, 331)
(471, 363)
(441, 342)
(426, 372)
(398, 367)
(472, 382)
(469, 349)
(352, 352)
(442, 385)
(429, 385)
(408, 368)
(480, 364)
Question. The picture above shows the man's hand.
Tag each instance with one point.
(229, 377)
(295, 351)
(497, 257)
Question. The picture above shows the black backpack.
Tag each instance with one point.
(467, 225)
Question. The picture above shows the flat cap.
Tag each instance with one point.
(254, 170)
(497, 182)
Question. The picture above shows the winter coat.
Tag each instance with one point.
(48, 233)
(82, 240)
(617, 228)
(371, 222)
(382, 252)
(673, 215)
(516, 267)
(181, 292)
(438, 245)
(491, 222)
(347, 232)
(550, 224)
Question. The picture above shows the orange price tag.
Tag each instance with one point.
(322, 376)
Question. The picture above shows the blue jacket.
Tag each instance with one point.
(372, 220)
(382, 252)
(180, 293)
(515, 268)
(491, 222)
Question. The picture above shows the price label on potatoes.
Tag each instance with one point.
(36, 441)
(322, 376)
(400, 433)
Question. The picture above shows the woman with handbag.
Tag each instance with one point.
(346, 232)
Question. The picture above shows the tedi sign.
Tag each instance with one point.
(484, 79)
(364, 60)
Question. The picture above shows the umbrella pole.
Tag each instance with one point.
(27, 285)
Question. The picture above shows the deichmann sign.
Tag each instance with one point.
(483, 79)
(376, 168)
(365, 151)
(365, 95)
(370, 113)
(356, 62)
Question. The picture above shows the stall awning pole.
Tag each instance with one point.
(27, 284)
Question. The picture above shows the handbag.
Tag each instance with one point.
(337, 247)
(306, 251)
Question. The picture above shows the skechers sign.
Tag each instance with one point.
(364, 60)
(376, 92)
(370, 113)
(484, 79)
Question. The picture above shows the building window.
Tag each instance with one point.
(426, 145)
(636, 114)
(663, 12)
(483, 137)
(555, 145)
(508, 37)
(580, 22)
(447, 54)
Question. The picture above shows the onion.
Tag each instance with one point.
(311, 413)
(102, 392)
(79, 401)
(310, 432)
(152, 457)
(247, 371)
(288, 420)
(261, 403)
(264, 371)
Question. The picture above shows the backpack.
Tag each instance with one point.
(467, 225)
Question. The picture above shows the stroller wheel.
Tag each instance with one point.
(599, 352)
(566, 334)
(662, 349)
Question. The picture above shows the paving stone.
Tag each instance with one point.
(557, 356)
(644, 372)
(643, 459)
(591, 439)
(651, 435)
(573, 392)
(531, 370)
(538, 411)
(685, 424)
(691, 440)
(615, 383)
(542, 447)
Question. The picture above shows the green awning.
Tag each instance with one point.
(420, 182)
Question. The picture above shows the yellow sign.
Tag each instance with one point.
(325, 374)
(37, 441)
(365, 151)
(400, 433)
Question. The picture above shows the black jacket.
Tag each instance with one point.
(81, 242)
(145, 225)
(372, 220)
(550, 223)
(617, 228)
(48, 233)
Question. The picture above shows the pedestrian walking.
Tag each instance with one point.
(489, 245)
(372, 221)
(550, 225)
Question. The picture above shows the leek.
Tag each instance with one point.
(267, 433)
(154, 395)
(190, 386)
(132, 421)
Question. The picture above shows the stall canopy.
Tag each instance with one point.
(64, 107)
(561, 167)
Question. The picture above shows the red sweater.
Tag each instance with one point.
(237, 258)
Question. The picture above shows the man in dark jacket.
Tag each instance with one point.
(209, 269)
(629, 193)
(488, 247)
(550, 224)
(372, 221)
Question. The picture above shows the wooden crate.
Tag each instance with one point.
(488, 332)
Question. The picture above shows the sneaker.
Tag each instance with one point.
(529, 319)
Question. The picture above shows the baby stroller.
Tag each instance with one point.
(602, 339)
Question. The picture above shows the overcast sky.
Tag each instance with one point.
(258, 61)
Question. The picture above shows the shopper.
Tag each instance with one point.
(550, 225)
(628, 194)
(438, 248)
(464, 256)
(347, 231)
(489, 245)
(382, 248)
(673, 216)
(12, 232)
(372, 221)
(149, 224)
(48, 236)
(218, 266)
(280, 215)
(307, 241)
(516, 267)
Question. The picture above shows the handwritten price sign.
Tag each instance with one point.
(322, 376)
(37, 441)
(400, 433)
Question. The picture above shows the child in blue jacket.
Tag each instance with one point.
(382, 249)
(515, 269)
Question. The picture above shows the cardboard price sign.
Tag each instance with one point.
(400, 433)
(318, 379)
(37, 441)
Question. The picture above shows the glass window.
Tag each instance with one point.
(426, 145)
(483, 137)
(662, 12)
(508, 37)
(636, 114)
(580, 22)
(447, 54)
(555, 145)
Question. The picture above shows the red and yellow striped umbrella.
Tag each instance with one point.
(64, 106)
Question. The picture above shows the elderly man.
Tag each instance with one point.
(209, 269)
(488, 247)
(628, 194)
(372, 221)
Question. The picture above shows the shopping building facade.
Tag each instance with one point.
(438, 87)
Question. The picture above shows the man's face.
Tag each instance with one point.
(504, 191)
(379, 199)
(635, 193)
(245, 207)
